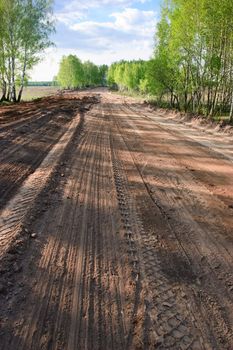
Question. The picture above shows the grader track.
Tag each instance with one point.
(115, 229)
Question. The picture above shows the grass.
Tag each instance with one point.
(153, 100)
(34, 92)
(136, 95)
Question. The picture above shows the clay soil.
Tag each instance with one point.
(116, 227)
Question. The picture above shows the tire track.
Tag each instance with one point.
(210, 247)
(78, 299)
(191, 245)
(170, 321)
(12, 215)
(24, 146)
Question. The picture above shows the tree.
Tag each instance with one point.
(127, 75)
(3, 58)
(36, 28)
(193, 57)
(71, 73)
(25, 27)
(103, 72)
(75, 74)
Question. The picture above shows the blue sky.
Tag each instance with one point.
(102, 31)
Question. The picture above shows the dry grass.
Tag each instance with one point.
(34, 92)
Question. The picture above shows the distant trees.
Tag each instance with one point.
(41, 83)
(128, 75)
(25, 27)
(75, 74)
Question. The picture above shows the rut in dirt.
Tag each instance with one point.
(27, 140)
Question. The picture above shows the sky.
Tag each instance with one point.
(102, 31)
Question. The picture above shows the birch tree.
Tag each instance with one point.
(73, 73)
(25, 28)
(194, 40)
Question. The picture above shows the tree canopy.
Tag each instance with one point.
(75, 74)
(195, 56)
(128, 75)
(25, 28)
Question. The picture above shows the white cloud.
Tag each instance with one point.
(67, 17)
(130, 28)
(130, 21)
(75, 10)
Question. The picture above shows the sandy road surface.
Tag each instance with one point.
(119, 236)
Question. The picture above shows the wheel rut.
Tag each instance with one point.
(169, 321)
(12, 215)
(194, 265)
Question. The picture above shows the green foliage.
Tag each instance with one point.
(193, 58)
(192, 65)
(75, 74)
(25, 27)
(71, 73)
(103, 71)
(127, 75)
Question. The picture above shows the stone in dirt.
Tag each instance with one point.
(2, 289)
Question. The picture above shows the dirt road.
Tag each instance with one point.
(116, 228)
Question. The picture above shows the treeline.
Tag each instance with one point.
(192, 65)
(25, 27)
(73, 73)
(128, 75)
(40, 83)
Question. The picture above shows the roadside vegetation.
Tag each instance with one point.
(130, 76)
(25, 28)
(192, 65)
